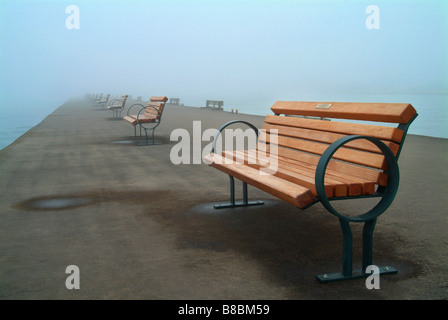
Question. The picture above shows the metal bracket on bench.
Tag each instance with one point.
(369, 218)
(233, 203)
(347, 254)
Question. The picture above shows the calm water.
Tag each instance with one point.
(18, 119)
(432, 120)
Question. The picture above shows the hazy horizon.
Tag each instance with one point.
(246, 50)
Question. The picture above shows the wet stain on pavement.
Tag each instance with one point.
(291, 245)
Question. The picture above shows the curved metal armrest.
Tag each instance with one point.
(144, 108)
(228, 124)
(389, 192)
(136, 104)
(111, 103)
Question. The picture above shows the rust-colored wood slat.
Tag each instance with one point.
(151, 112)
(290, 192)
(353, 186)
(379, 132)
(155, 104)
(159, 98)
(338, 166)
(327, 137)
(356, 185)
(281, 172)
(359, 157)
(383, 112)
(340, 188)
(130, 119)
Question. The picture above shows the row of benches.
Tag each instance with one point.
(146, 117)
(317, 160)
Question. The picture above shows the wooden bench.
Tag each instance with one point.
(321, 161)
(147, 117)
(117, 106)
(103, 100)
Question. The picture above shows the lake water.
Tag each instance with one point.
(432, 109)
(18, 117)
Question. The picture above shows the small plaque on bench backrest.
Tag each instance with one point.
(323, 106)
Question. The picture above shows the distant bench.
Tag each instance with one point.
(214, 104)
(117, 105)
(103, 100)
(322, 161)
(147, 117)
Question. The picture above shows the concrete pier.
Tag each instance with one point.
(77, 190)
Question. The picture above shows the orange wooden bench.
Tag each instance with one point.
(147, 117)
(103, 100)
(322, 157)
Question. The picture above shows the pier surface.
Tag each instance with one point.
(77, 190)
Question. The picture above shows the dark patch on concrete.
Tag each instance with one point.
(131, 142)
(141, 141)
(71, 201)
(53, 203)
(292, 246)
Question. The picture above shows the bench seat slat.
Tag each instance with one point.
(305, 180)
(339, 188)
(356, 185)
(343, 167)
(132, 119)
(343, 184)
(290, 192)
(383, 112)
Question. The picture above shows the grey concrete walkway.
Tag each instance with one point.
(139, 227)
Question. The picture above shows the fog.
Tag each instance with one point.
(243, 50)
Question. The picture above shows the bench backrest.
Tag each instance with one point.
(123, 100)
(304, 138)
(155, 107)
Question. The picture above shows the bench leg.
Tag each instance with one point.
(135, 132)
(153, 142)
(233, 203)
(347, 254)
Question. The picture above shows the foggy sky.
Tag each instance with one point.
(211, 49)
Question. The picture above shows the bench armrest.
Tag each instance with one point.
(136, 104)
(225, 125)
(114, 101)
(388, 193)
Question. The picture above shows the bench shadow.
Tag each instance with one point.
(140, 141)
(291, 245)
